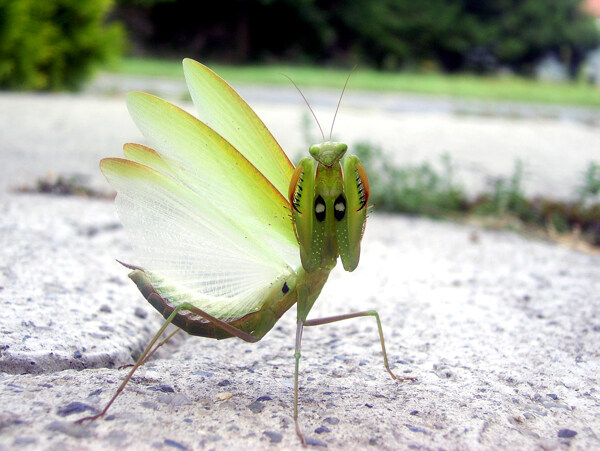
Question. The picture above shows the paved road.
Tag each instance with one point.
(64, 135)
(328, 98)
(502, 332)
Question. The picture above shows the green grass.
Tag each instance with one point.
(511, 88)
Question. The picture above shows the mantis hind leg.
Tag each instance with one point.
(149, 356)
(333, 319)
(149, 349)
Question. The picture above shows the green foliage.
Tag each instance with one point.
(425, 190)
(472, 34)
(411, 189)
(506, 196)
(479, 35)
(590, 189)
(54, 44)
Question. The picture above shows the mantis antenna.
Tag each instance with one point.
(308, 104)
(340, 101)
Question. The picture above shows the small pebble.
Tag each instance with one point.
(552, 396)
(174, 400)
(566, 433)
(174, 444)
(140, 313)
(75, 407)
(315, 442)
(224, 383)
(105, 308)
(417, 429)
(331, 420)
(264, 398)
(322, 429)
(274, 437)
(256, 407)
(180, 400)
(202, 373)
(162, 388)
(224, 396)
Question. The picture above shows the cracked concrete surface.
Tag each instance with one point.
(502, 332)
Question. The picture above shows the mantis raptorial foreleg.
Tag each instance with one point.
(149, 351)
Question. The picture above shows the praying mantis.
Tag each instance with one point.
(228, 233)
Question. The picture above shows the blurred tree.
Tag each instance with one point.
(228, 30)
(53, 44)
(478, 35)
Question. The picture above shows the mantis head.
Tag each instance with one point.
(328, 153)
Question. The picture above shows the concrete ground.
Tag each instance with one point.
(502, 332)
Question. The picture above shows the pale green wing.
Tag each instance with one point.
(191, 251)
(207, 164)
(146, 156)
(222, 109)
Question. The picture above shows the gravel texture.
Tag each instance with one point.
(502, 332)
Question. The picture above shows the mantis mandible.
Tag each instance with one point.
(207, 208)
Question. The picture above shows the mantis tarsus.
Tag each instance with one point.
(207, 208)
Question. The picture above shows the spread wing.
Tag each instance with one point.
(220, 107)
(207, 226)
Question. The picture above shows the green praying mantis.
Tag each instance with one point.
(207, 209)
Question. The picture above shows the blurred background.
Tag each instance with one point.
(485, 109)
(52, 44)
